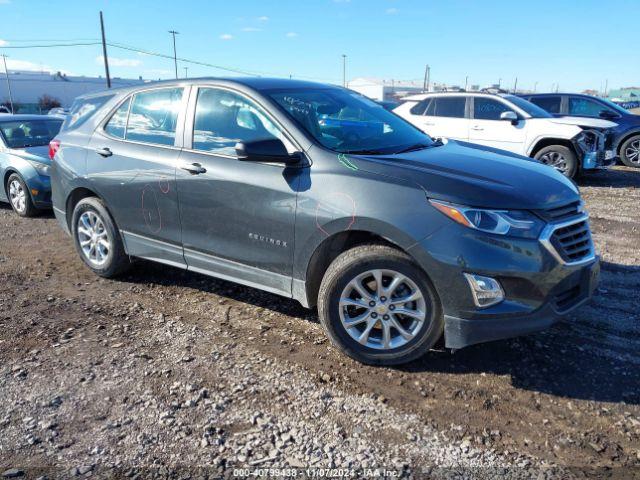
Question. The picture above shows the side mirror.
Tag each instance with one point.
(270, 150)
(607, 114)
(509, 116)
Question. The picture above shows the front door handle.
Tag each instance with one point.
(194, 168)
(476, 128)
(104, 152)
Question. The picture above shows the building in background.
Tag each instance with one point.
(385, 90)
(628, 97)
(33, 92)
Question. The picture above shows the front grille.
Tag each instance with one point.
(566, 299)
(573, 242)
(563, 212)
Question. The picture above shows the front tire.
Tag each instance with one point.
(379, 307)
(559, 157)
(97, 239)
(19, 197)
(630, 152)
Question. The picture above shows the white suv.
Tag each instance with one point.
(507, 122)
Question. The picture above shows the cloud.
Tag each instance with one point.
(391, 11)
(226, 36)
(119, 62)
(251, 29)
(13, 64)
(291, 35)
(263, 18)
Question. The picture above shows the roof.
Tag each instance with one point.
(422, 96)
(257, 83)
(7, 117)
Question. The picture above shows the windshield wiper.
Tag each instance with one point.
(365, 152)
(420, 146)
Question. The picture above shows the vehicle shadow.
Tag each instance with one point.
(585, 356)
(563, 361)
(617, 177)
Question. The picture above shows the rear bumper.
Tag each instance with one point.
(61, 217)
(573, 292)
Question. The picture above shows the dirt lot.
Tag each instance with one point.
(172, 374)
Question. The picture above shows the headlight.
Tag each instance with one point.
(42, 168)
(518, 223)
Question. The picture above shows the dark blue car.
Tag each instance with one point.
(25, 162)
(626, 134)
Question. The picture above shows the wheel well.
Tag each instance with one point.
(74, 197)
(7, 174)
(329, 250)
(621, 142)
(547, 142)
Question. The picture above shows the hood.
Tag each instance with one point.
(477, 176)
(37, 154)
(584, 122)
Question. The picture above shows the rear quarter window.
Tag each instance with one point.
(83, 109)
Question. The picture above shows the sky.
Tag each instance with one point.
(548, 44)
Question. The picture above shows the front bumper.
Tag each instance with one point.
(574, 292)
(539, 287)
(40, 190)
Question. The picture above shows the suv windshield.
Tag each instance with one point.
(348, 122)
(533, 110)
(29, 133)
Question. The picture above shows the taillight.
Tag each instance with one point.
(54, 146)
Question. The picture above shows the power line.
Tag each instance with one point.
(52, 45)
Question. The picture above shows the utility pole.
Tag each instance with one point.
(466, 82)
(344, 70)
(535, 86)
(6, 71)
(186, 72)
(427, 74)
(557, 87)
(104, 52)
(606, 86)
(499, 82)
(175, 57)
(515, 85)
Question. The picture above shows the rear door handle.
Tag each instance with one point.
(194, 168)
(104, 152)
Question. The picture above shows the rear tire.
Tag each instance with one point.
(630, 152)
(19, 196)
(559, 157)
(379, 333)
(97, 238)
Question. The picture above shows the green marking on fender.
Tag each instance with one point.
(346, 162)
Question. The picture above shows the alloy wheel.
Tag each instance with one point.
(555, 160)
(382, 309)
(93, 238)
(17, 196)
(632, 152)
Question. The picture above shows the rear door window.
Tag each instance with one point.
(153, 116)
(452, 107)
(488, 109)
(550, 104)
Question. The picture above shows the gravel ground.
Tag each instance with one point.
(169, 374)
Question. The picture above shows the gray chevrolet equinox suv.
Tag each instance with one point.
(316, 193)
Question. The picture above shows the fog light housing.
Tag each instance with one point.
(486, 291)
